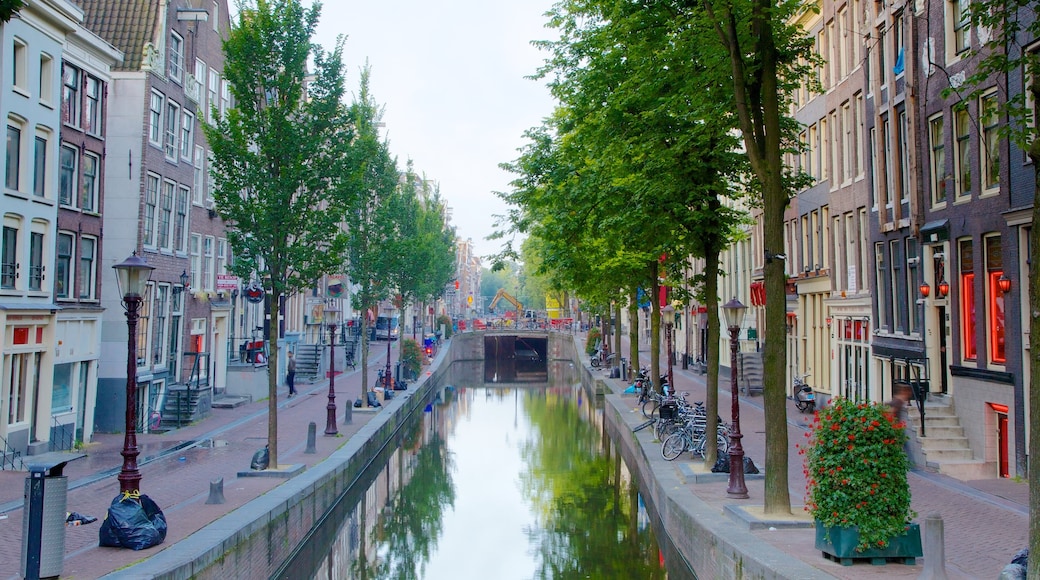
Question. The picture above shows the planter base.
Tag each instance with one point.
(839, 544)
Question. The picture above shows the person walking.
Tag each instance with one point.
(290, 375)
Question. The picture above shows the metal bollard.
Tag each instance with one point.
(312, 430)
(934, 549)
(348, 415)
(216, 492)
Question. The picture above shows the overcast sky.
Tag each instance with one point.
(451, 78)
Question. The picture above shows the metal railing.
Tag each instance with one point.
(9, 458)
(63, 436)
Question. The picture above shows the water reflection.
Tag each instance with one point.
(502, 482)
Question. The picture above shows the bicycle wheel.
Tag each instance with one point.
(665, 428)
(650, 408)
(722, 441)
(673, 446)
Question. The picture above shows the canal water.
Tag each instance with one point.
(511, 481)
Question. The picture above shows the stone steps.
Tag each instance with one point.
(945, 448)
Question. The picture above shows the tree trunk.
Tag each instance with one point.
(617, 334)
(1034, 364)
(633, 332)
(364, 357)
(272, 381)
(655, 330)
(712, 356)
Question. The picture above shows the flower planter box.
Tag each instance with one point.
(839, 544)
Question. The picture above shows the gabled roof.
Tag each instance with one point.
(127, 24)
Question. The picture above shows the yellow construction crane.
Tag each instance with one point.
(516, 303)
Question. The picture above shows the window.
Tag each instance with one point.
(20, 65)
(180, 223)
(61, 394)
(40, 166)
(67, 175)
(200, 175)
(207, 263)
(913, 282)
(904, 166)
(221, 256)
(200, 77)
(63, 265)
(857, 147)
(897, 38)
(882, 272)
(151, 206)
(36, 261)
(9, 263)
(176, 57)
(995, 300)
(89, 192)
(92, 111)
(962, 135)
(990, 161)
(166, 216)
(213, 89)
(899, 306)
(225, 97)
(936, 138)
(961, 25)
(155, 119)
(144, 317)
(70, 98)
(87, 249)
(196, 260)
(22, 375)
(172, 127)
(187, 133)
(14, 156)
(882, 55)
(966, 257)
(160, 309)
(46, 78)
(847, 144)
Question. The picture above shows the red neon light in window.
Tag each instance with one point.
(996, 318)
(998, 407)
(968, 315)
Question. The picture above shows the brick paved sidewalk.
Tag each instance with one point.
(217, 447)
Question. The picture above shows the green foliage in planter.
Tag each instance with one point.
(445, 320)
(411, 357)
(855, 471)
(591, 340)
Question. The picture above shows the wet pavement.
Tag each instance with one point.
(986, 522)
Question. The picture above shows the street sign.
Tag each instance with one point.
(226, 282)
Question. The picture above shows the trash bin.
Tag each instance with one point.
(624, 368)
(43, 523)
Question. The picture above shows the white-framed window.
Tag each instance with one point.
(63, 265)
(962, 161)
(200, 175)
(86, 272)
(176, 58)
(36, 267)
(221, 256)
(155, 128)
(216, 16)
(904, 165)
(225, 97)
(857, 144)
(882, 55)
(9, 253)
(151, 208)
(91, 180)
(67, 174)
(187, 135)
(937, 160)
(14, 155)
(989, 160)
(20, 66)
(70, 95)
(214, 90)
(160, 322)
(93, 106)
(200, 77)
(166, 215)
(180, 223)
(46, 78)
(173, 120)
(22, 374)
(196, 261)
(40, 165)
(207, 264)
(958, 26)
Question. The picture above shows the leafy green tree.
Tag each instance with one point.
(1014, 27)
(8, 8)
(275, 157)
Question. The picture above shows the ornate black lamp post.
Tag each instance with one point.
(737, 489)
(332, 316)
(386, 377)
(131, 276)
(669, 313)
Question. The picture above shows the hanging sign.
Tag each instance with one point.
(254, 292)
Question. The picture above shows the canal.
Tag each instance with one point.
(492, 481)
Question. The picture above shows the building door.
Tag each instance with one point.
(1002, 445)
(943, 363)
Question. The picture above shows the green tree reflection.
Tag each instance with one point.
(410, 526)
(584, 531)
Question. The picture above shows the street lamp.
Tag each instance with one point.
(331, 315)
(737, 489)
(131, 278)
(669, 313)
(386, 376)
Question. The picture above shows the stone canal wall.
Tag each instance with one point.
(255, 539)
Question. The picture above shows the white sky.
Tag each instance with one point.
(451, 78)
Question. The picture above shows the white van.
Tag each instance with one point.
(387, 327)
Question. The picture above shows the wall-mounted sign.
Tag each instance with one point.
(226, 282)
(254, 292)
(336, 287)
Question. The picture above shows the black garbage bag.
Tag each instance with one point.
(133, 521)
(373, 399)
(261, 459)
(722, 465)
(357, 403)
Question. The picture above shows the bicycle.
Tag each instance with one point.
(692, 439)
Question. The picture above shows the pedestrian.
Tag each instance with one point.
(899, 401)
(290, 375)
